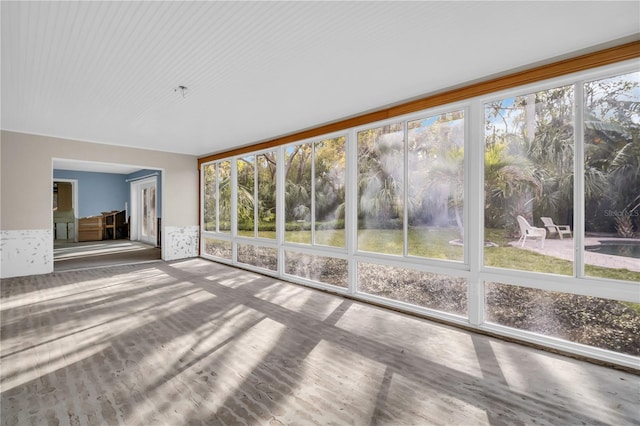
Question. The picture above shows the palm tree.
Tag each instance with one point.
(510, 184)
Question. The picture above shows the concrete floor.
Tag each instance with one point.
(93, 254)
(195, 342)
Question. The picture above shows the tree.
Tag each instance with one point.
(380, 176)
(612, 138)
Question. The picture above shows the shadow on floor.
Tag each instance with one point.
(92, 254)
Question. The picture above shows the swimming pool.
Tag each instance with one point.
(617, 248)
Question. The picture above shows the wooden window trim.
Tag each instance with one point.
(556, 69)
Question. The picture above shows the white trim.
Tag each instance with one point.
(135, 222)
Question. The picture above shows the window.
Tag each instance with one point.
(395, 211)
(224, 196)
(315, 192)
(434, 291)
(258, 256)
(323, 269)
(266, 196)
(210, 198)
(297, 189)
(381, 189)
(604, 323)
(528, 176)
(329, 193)
(435, 190)
(612, 176)
(256, 200)
(246, 196)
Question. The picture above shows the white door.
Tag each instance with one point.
(143, 211)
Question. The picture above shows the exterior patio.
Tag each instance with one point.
(564, 249)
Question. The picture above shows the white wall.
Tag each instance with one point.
(25, 191)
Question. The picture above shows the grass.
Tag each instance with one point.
(434, 243)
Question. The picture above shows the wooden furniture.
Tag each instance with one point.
(90, 228)
(115, 225)
(109, 224)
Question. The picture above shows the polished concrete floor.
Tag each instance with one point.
(195, 342)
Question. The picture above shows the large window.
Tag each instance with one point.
(216, 203)
(256, 200)
(528, 179)
(604, 323)
(266, 194)
(224, 196)
(315, 192)
(435, 188)
(381, 189)
(423, 216)
(612, 175)
(516, 212)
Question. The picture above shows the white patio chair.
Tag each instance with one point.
(553, 228)
(531, 232)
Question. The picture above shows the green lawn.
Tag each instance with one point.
(434, 243)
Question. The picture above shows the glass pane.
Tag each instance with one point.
(152, 211)
(297, 195)
(218, 248)
(224, 191)
(380, 189)
(433, 291)
(144, 230)
(246, 196)
(612, 177)
(327, 270)
(266, 164)
(436, 186)
(209, 208)
(262, 257)
(330, 178)
(604, 323)
(528, 182)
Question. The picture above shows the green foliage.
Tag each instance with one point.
(529, 155)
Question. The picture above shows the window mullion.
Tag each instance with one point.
(405, 189)
(255, 196)
(474, 196)
(217, 195)
(233, 164)
(578, 181)
(280, 199)
(313, 193)
(351, 206)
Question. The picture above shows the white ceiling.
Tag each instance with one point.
(106, 71)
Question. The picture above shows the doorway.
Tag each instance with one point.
(99, 188)
(144, 215)
(65, 210)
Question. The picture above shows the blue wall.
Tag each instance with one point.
(103, 192)
(97, 192)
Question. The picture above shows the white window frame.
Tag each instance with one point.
(472, 268)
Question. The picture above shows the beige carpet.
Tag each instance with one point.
(195, 342)
(93, 254)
